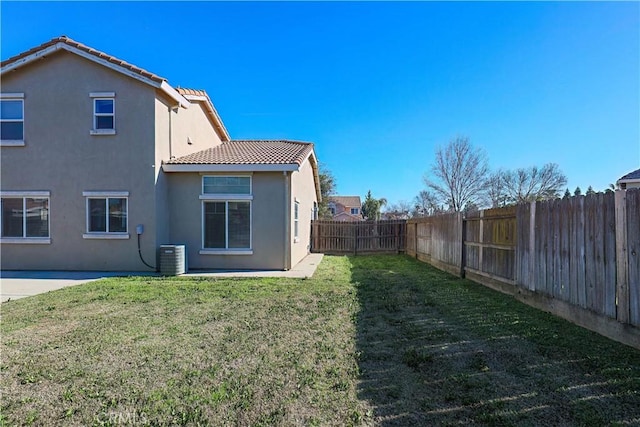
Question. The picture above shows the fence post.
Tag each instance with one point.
(532, 248)
(622, 267)
(463, 256)
(481, 239)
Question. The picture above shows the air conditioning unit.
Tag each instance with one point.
(172, 260)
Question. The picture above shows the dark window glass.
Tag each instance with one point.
(104, 122)
(239, 225)
(117, 215)
(12, 131)
(97, 215)
(214, 225)
(37, 213)
(12, 217)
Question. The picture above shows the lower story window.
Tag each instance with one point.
(107, 214)
(227, 225)
(24, 217)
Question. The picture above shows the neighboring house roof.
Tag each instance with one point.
(345, 216)
(347, 201)
(65, 43)
(249, 156)
(631, 176)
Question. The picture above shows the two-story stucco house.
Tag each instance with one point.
(345, 208)
(102, 161)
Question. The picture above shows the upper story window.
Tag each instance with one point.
(24, 217)
(12, 119)
(355, 211)
(332, 208)
(104, 113)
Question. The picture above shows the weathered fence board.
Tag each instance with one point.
(633, 255)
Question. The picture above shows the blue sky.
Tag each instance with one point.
(379, 86)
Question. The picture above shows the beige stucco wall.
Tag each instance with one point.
(61, 156)
(268, 227)
(303, 190)
(192, 124)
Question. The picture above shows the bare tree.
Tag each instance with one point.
(460, 173)
(425, 204)
(530, 184)
(399, 210)
(496, 189)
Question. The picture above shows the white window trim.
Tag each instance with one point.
(27, 240)
(106, 235)
(13, 142)
(204, 197)
(226, 251)
(296, 220)
(95, 96)
(227, 197)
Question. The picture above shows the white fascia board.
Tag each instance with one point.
(628, 181)
(196, 97)
(30, 58)
(25, 193)
(230, 168)
(105, 194)
(174, 94)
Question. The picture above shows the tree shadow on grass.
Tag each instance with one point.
(438, 350)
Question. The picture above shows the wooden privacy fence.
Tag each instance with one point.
(578, 258)
(341, 237)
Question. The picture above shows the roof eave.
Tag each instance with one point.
(628, 181)
(162, 84)
(192, 167)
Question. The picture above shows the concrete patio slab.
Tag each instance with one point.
(20, 284)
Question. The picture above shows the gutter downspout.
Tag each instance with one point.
(287, 221)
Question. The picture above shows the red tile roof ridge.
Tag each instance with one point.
(91, 51)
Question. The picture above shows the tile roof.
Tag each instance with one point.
(193, 92)
(348, 201)
(249, 152)
(631, 175)
(98, 54)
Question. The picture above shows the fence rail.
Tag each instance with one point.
(341, 237)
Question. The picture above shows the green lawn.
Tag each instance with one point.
(379, 340)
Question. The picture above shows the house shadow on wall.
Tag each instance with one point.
(437, 350)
